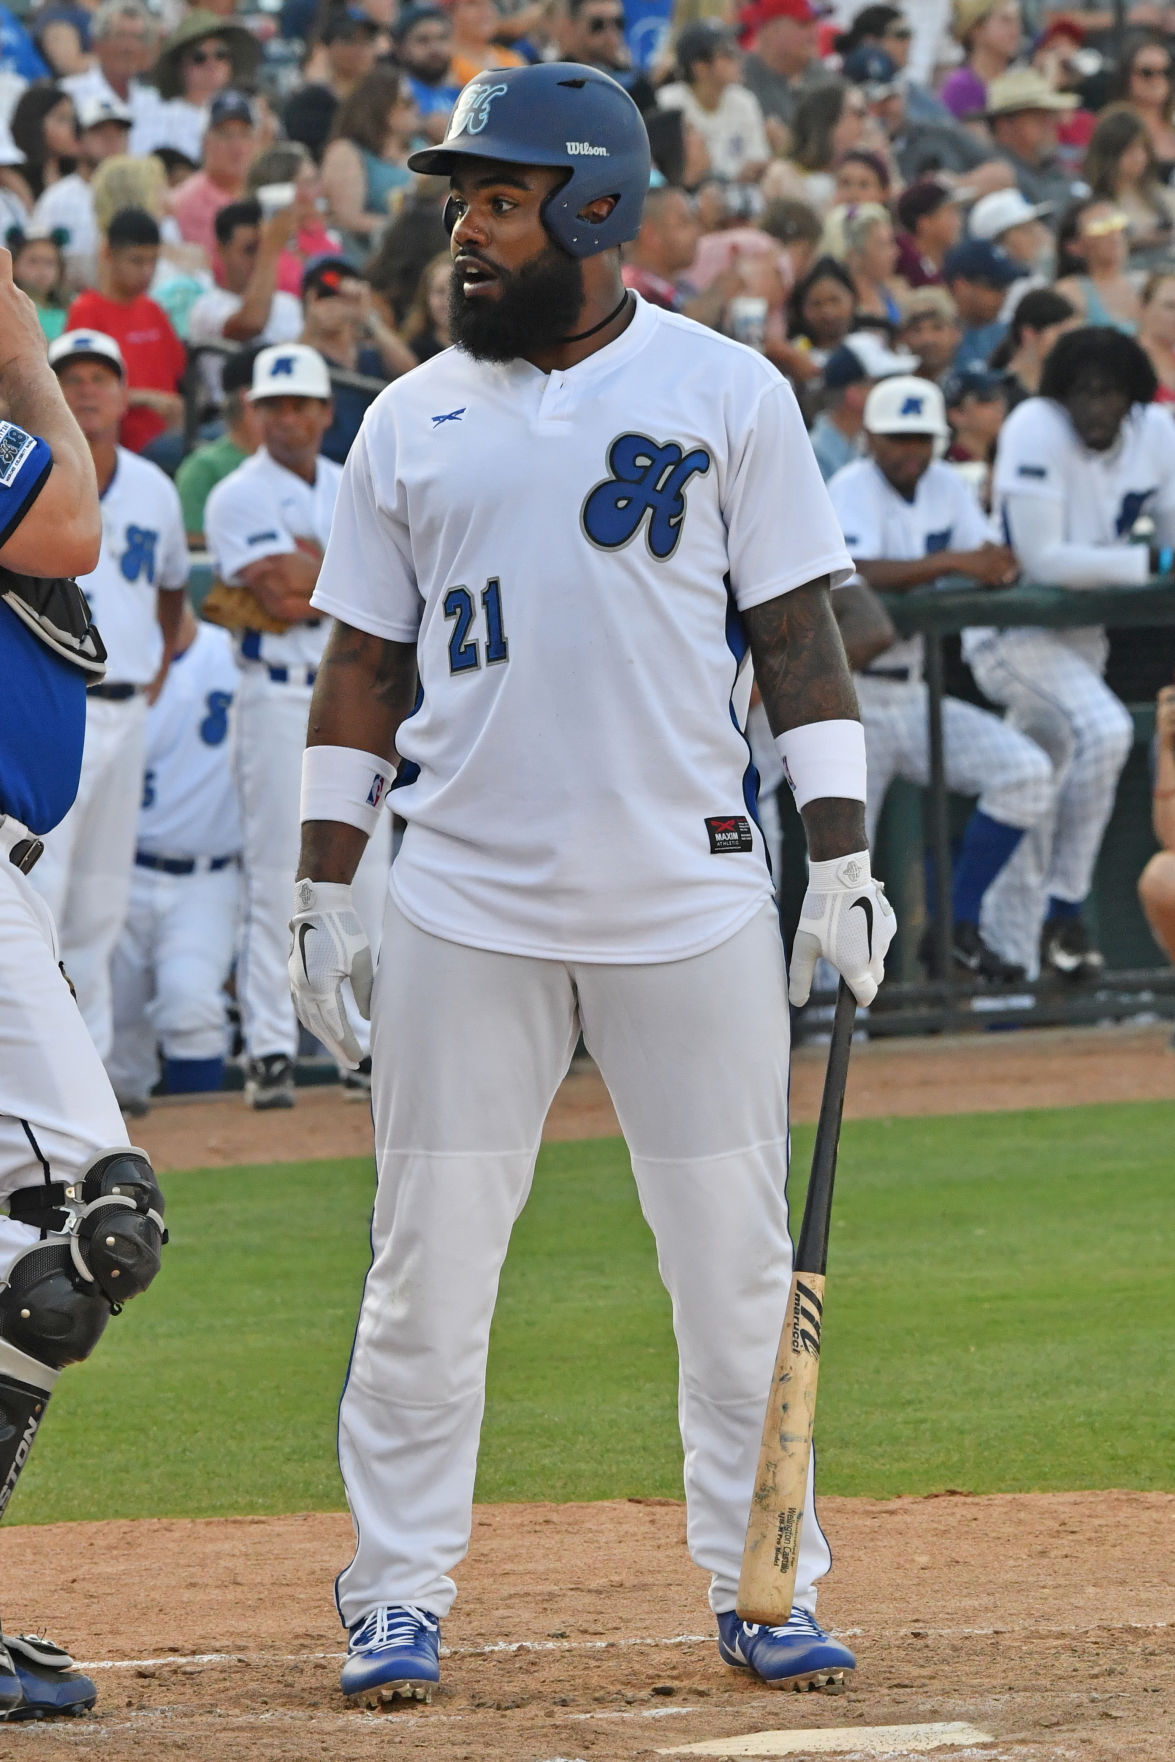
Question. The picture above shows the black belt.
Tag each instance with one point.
(178, 865)
(115, 694)
(902, 674)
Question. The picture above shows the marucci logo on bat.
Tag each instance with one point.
(807, 1313)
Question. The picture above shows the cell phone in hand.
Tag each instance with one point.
(274, 197)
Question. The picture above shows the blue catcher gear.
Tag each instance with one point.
(563, 115)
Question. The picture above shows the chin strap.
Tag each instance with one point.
(581, 335)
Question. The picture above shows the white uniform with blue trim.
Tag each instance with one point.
(177, 944)
(1051, 680)
(85, 874)
(57, 1109)
(581, 852)
(982, 755)
(262, 510)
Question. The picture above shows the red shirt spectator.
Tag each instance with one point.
(155, 358)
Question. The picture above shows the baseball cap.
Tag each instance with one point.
(906, 405)
(972, 382)
(764, 11)
(704, 40)
(872, 68)
(86, 345)
(411, 16)
(1023, 88)
(980, 260)
(347, 21)
(290, 370)
(924, 302)
(994, 214)
(325, 272)
(924, 197)
(864, 355)
(93, 112)
(230, 106)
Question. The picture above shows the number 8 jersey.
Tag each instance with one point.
(570, 553)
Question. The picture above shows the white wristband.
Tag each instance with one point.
(848, 872)
(343, 783)
(824, 758)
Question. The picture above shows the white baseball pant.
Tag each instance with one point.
(169, 971)
(85, 873)
(1051, 681)
(57, 1109)
(981, 755)
(468, 1048)
(268, 742)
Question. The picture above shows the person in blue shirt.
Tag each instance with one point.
(979, 275)
(18, 52)
(423, 36)
(64, 1150)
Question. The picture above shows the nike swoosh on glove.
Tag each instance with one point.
(329, 950)
(846, 918)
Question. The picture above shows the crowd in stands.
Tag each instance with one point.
(938, 191)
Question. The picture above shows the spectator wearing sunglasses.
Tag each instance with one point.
(887, 28)
(203, 56)
(1144, 81)
(593, 32)
(340, 320)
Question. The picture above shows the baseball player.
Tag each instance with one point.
(266, 525)
(177, 944)
(136, 595)
(909, 519)
(80, 1210)
(571, 526)
(1085, 484)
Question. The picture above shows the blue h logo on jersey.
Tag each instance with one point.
(138, 557)
(647, 481)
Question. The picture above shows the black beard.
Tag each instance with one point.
(536, 307)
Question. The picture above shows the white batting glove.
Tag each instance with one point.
(846, 918)
(329, 950)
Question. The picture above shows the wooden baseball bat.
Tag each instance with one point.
(770, 1554)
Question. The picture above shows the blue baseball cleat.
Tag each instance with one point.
(799, 1655)
(394, 1654)
(49, 1685)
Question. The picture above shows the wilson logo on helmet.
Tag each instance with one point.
(473, 109)
(585, 149)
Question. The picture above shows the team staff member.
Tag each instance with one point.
(59, 1121)
(267, 524)
(1076, 470)
(136, 596)
(177, 945)
(541, 522)
(909, 519)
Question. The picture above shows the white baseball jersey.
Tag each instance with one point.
(261, 510)
(189, 800)
(560, 547)
(879, 523)
(144, 548)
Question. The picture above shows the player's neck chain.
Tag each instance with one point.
(582, 335)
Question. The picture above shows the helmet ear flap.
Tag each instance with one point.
(449, 215)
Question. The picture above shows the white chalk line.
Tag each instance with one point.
(507, 1647)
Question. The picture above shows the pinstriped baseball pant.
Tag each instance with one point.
(1051, 682)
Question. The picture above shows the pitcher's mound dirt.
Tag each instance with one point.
(1045, 1620)
(975, 1073)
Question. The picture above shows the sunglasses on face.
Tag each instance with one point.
(200, 57)
(901, 33)
(1101, 229)
(615, 21)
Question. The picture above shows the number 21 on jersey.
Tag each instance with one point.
(465, 649)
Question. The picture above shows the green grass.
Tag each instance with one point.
(1000, 1317)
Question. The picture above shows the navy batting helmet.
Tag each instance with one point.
(566, 116)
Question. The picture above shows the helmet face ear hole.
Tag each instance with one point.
(574, 85)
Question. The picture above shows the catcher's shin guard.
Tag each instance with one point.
(102, 1237)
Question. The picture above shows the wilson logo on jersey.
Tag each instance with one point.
(473, 110)
(647, 483)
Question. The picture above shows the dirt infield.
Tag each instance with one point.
(582, 1632)
(976, 1073)
(1046, 1621)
